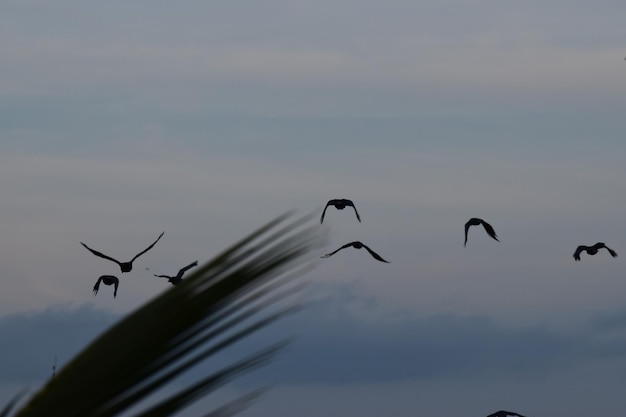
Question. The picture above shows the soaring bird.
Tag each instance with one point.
(107, 280)
(592, 250)
(124, 266)
(340, 204)
(475, 222)
(179, 277)
(357, 245)
(504, 413)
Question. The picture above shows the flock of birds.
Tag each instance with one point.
(339, 204)
(128, 266)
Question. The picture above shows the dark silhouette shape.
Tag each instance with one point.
(475, 222)
(504, 413)
(592, 250)
(106, 280)
(357, 245)
(340, 204)
(54, 367)
(179, 277)
(124, 266)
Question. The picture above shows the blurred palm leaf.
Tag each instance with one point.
(6, 411)
(222, 302)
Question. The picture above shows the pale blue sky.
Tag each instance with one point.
(206, 119)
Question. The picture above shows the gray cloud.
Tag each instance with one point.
(31, 341)
(334, 348)
(345, 349)
(341, 351)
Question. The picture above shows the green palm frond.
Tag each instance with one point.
(222, 302)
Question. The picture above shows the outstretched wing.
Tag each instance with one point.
(577, 253)
(148, 248)
(100, 254)
(489, 230)
(117, 282)
(324, 212)
(374, 254)
(611, 251)
(467, 226)
(356, 212)
(191, 265)
(334, 252)
(97, 286)
(163, 276)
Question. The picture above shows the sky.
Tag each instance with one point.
(121, 120)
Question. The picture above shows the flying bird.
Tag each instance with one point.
(504, 413)
(475, 222)
(592, 250)
(106, 280)
(340, 204)
(357, 245)
(175, 280)
(124, 266)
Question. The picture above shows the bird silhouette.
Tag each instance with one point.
(175, 280)
(340, 204)
(124, 266)
(475, 222)
(504, 413)
(357, 245)
(592, 250)
(106, 280)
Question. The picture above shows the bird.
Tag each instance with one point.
(340, 204)
(357, 245)
(592, 250)
(475, 222)
(107, 280)
(504, 413)
(175, 280)
(124, 266)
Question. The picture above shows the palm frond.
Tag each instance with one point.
(220, 303)
(6, 411)
(236, 406)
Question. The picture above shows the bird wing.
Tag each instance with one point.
(489, 230)
(163, 276)
(148, 248)
(577, 253)
(97, 286)
(100, 254)
(324, 211)
(117, 282)
(356, 212)
(334, 252)
(467, 226)
(374, 254)
(611, 251)
(191, 265)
